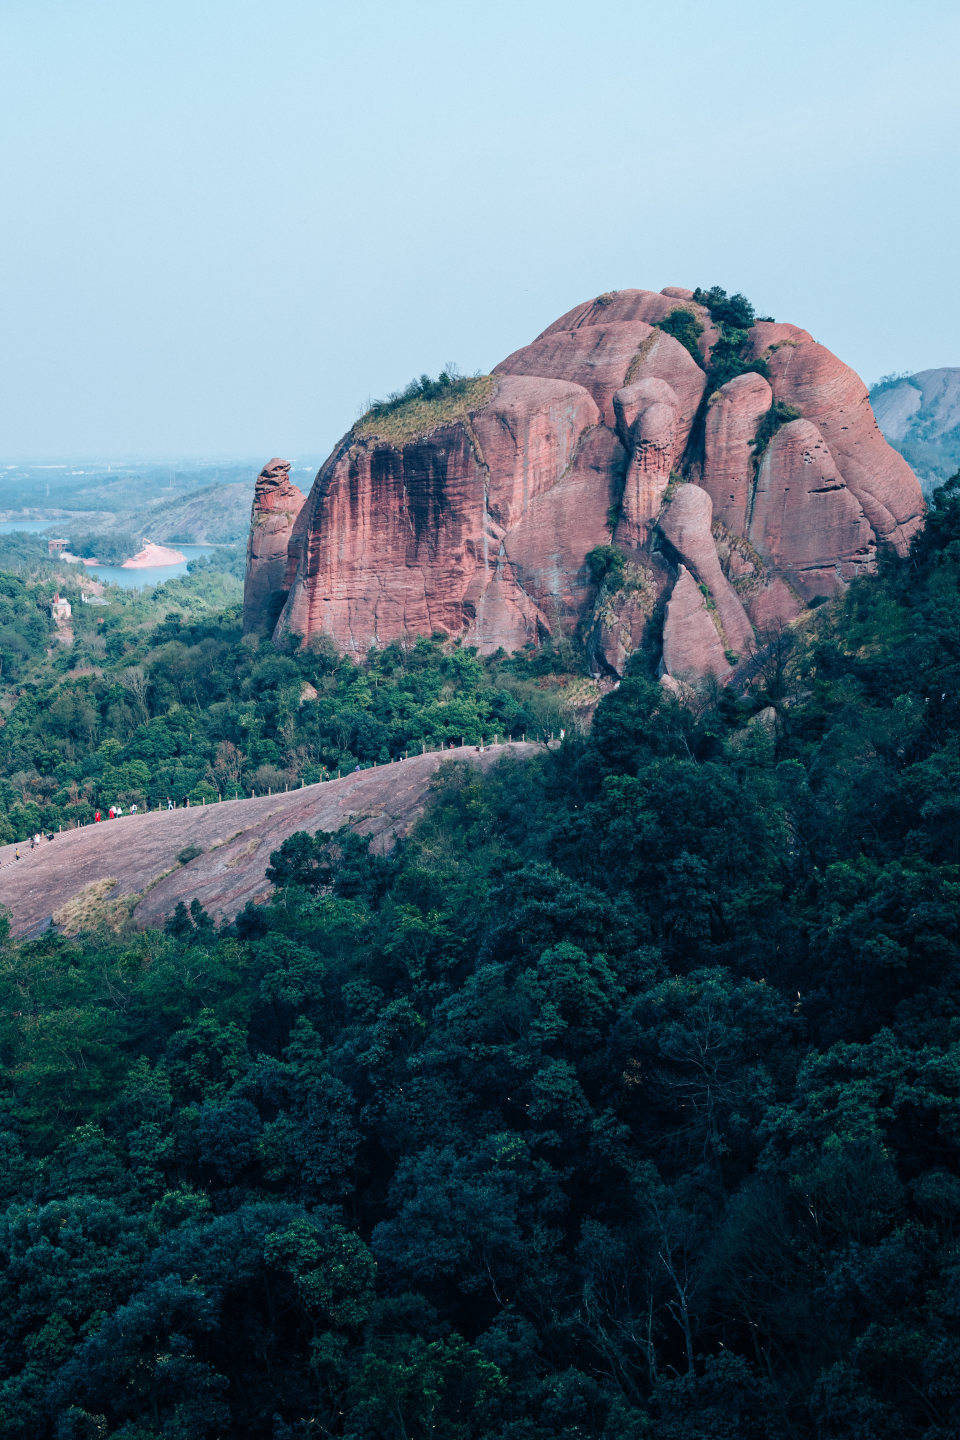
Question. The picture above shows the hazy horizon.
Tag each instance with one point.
(228, 231)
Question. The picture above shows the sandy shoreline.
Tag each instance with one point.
(152, 555)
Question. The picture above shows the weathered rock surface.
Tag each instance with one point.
(133, 863)
(805, 519)
(730, 426)
(479, 526)
(276, 504)
(653, 429)
(692, 647)
(834, 397)
(686, 524)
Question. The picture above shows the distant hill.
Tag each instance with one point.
(112, 488)
(218, 514)
(920, 415)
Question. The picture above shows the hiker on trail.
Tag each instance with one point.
(356, 769)
(111, 813)
(133, 809)
(33, 842)
(96, 817)
(170, 805)
(16, 853)
(119, 811)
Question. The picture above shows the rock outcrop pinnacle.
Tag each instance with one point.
(276, 504)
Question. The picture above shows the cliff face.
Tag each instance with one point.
(733, 504)
(276, 504)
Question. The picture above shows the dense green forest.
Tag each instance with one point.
(621, 1102)
(161, 696)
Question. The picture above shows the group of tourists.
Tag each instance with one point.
(116, 813)
(35, 840)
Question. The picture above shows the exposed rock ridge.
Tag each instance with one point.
(134, 864)
(606, 429)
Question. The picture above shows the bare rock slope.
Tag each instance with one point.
(130, 869)
(476, 519)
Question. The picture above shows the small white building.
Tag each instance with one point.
(60, 610)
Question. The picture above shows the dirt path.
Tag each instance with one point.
(130, 867)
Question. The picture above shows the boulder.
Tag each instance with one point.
(598, 357)
(834, 397)
(625, 306)
(651, 425)
(686, 525)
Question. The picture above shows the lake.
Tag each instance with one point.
(152, 574)
(33, 527)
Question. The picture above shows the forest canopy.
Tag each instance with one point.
(621, 1101)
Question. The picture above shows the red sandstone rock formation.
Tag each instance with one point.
(730, 425)
(835, 398)
(804, 517)
(685, 524)
(276, 504)
(692, 647)
(478, 528)
(605, 428)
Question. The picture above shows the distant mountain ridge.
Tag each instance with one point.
(217, 514)
(920, 415)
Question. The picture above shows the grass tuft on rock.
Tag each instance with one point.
(92, 908)
(423, 405)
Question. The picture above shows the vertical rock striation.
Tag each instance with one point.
(475, 519)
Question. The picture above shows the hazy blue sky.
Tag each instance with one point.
(228, 223)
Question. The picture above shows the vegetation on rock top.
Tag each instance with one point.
(423, 405)
(733, 315)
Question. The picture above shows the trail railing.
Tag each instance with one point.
(450, 747)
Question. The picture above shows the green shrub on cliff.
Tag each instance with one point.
(684, 326)
(780, 413)
(731, 311)
(606, 564)
(734, 315)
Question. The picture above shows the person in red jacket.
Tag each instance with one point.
(96, 817)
